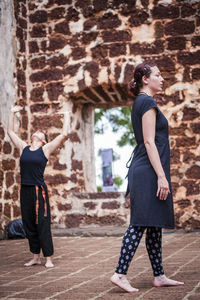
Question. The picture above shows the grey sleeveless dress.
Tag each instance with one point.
(146, 208)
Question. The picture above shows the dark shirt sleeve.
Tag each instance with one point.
(148, 103)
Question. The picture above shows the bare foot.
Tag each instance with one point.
(49, 264)
(121, 281)
(164, 281)
(33, 262)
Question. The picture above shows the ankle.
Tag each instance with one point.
(120, 276)
(160, 277)
(36, 257)
(48, 259)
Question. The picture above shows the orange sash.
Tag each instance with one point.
(37, 202)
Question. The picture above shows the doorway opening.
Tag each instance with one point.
(107, 109)
(113, 144)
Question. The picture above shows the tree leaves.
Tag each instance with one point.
(120, 121)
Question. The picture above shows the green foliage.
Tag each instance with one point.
(99, 189)
(99, 114)
(118, 181)
(120, 120)
(116, 156)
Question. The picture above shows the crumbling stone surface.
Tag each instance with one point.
(77, 55)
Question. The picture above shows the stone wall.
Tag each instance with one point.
(85, 209)
(8, 155)
(7, 59)
(78, 55)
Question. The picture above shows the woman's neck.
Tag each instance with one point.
(35, 145)
(147, 92)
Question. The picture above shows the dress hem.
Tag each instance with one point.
(162, 226)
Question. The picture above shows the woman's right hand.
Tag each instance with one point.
(18, 142)
(163, 188)
(16, 108)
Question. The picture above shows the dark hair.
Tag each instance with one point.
(140, 70)
(45, 135)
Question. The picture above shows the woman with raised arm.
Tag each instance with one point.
(148, 179)
(35, 208)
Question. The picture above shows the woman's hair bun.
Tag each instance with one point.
(142, 69)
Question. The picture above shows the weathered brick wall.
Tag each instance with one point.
(8, 154)
(77, 55)
(85, 209)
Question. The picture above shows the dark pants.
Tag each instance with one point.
(130, 243)
(36, 218)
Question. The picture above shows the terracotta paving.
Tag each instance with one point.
(83, 266)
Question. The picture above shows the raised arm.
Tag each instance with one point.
(19, 144)
(148, 128)
(55, 143)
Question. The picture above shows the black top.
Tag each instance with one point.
(32, 166)
(146, 208)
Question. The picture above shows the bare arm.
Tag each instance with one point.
(19, 144)
(55, 143)
(148, 128)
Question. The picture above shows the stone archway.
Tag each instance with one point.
(105, 95)
(102, 96)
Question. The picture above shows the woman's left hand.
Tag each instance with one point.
(163, 188)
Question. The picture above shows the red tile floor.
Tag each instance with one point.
(83, 266)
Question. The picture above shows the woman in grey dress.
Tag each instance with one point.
(149, 182)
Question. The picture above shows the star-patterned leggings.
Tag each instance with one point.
(130, 243)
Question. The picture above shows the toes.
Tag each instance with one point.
(174, 282)
(168, 282)
(32, 263)
(49, 265)
(179, 283)
(123, 284)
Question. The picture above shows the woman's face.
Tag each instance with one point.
(39, 135)
(155, 81)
